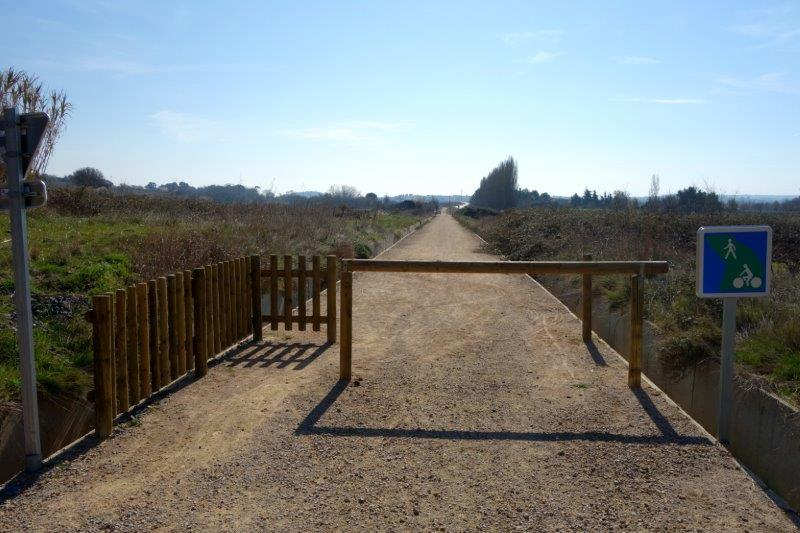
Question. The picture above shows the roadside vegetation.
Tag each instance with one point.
(87, 241)
(616, 227)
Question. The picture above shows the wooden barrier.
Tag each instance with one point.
(331, 294)
(163, 331)
(597, 268)
(637, 326)
(301, 293)
(586, 303)
(155, 359)
(287, 273)
(209, 311)
(255, 297)
(132, 333)
(145, 385)
(172, 311)
(120, 351)
(638, 270)
(188, 305)
(180, 326)
(151, 334)
(346, 317)
(200, 337)
(103, 380)
(273, 292)
(218, 343)
(234, 292)
(287, 292)
(316, 288)
(225, 303)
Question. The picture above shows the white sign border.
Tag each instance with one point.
(733, 229)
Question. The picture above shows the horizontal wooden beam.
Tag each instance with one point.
(296, 319)
(507, 267)
(266, 272)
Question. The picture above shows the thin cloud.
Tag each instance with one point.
(545, 36)
(542, 57)
(774, 27)
(353, 132)
(661, 101)
(637, 60)
(775, 82)
(185, 127)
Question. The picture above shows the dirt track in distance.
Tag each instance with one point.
(476, 405)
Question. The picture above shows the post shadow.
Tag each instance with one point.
(661, 421)
(597, 357)
(667, 434)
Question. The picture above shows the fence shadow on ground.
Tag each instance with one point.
(278, 354)
(666, 433)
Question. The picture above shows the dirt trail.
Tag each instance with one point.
(476, 405)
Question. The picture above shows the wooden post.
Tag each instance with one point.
(155, 357)
(215, 297)
(180, 325)
(231, 335)
(248, 297)
(331, 294)
(172, 306)
(315, 290)
(142, 300)
(120, 353)
(131, 327)
(635, 356)
(287, 292)
(586, 303)
(224, 340)
(163, 330)
(301, 292)
(273, 292)
(244, 309)
(234, 301)
(199, 298)
(255, 292)
(346, 317)
(210, 318)
(188, 307)
(103, 380)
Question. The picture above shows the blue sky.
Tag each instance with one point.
(423, 97)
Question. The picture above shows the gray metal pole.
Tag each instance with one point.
(726, 370)
(22, 291)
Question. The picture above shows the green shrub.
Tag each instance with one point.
(362, 250)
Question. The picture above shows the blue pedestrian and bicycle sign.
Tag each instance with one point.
(733, 261)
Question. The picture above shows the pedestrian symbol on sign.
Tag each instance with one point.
(730, 249)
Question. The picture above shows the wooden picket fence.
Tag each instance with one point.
(305, 277)
(151, 334)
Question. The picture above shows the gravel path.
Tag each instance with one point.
(475, 405)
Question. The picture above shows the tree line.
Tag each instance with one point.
(499, 191)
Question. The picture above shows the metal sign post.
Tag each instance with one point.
(20, 148)
(732, 262)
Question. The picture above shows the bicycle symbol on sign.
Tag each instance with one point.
(746, 278)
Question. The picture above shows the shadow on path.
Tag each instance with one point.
(597, 357)
(280, 354)
(667, 434)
